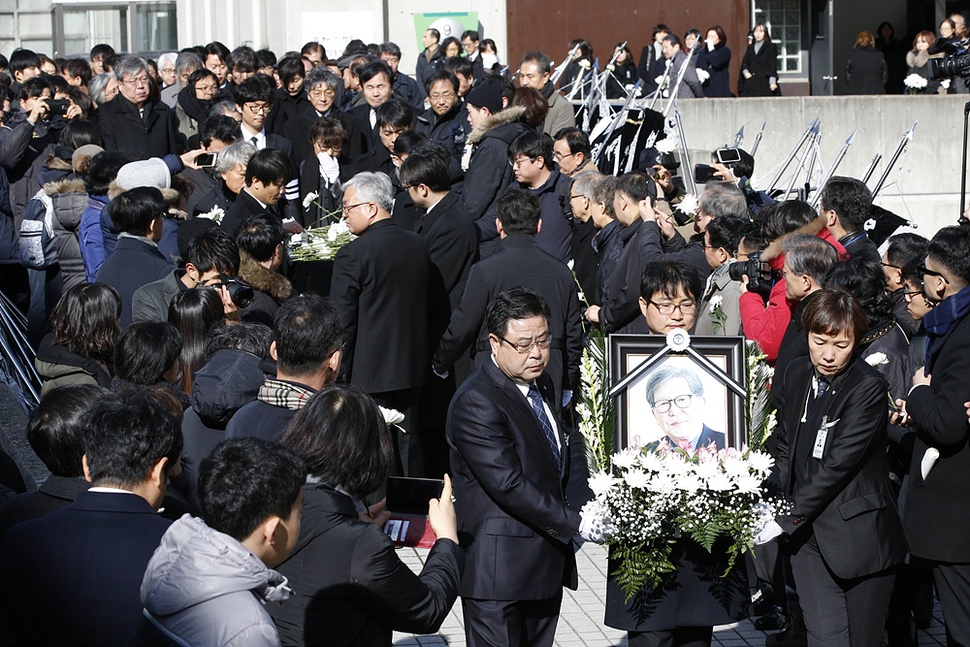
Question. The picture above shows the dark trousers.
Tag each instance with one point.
(838, 612)
(676, 637)
(511, 623)
(953, 589)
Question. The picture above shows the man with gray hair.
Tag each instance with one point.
(231, 164)
(675, 394)
(323, 89)
(133, 122)
(186, 63)
(807, 259)
(535, 70)
(380, 287)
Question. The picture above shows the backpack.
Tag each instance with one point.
(36, 245)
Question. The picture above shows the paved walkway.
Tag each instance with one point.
(581, 621)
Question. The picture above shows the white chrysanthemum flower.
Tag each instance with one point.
(688, 204)
(877, 359)
(719, 482)
(309, 199)
(666, 145)
(216, 214)
(915, 81)
(601, 483)
(749, 484)
(637, 479)
(391, 416)
(625, 459)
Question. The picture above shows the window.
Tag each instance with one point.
(784, 21)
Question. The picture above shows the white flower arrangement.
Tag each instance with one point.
(216, 214)
(664, 491)
(703, 76)
(915, 83)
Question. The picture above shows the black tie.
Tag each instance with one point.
(536, 401)
(255, 142)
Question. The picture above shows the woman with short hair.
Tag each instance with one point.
(843, 531)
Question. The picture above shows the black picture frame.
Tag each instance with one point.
(725, 363)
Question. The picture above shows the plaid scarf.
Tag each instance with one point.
(285, 395)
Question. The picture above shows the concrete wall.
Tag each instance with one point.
(927, 177)
(283, 25)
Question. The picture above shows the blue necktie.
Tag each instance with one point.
(536, 401)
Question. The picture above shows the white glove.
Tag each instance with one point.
(769, 532)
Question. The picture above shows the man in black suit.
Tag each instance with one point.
(321, 87)
(843, 532)
(380, 287)
(375, 83)
(254, 100)
(73, 577)
(133, 122)
(937, 513)
(676, 397)
(518, 261)
(446, 121)
(138, 215)
(511, 463)
(846, 204)
(267, 174)
(652, 59)
(392, 118)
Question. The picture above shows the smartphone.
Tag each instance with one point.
(206, 160)
(410, 495)
(58, 107)
(728, 155)
(703, 173)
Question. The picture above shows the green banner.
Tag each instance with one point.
(447, 24)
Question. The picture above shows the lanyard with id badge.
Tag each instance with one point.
(821, 435)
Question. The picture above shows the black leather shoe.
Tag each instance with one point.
(773, 620)
(794, 636)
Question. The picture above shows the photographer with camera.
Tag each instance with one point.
(209, 257)
(766, 324)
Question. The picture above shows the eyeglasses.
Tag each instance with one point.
(212, 87)
(895, 267)
(668, 308)
(560, 157)
(141, 80)
(350, 207)
(543, 342)
(910, 295)
(573, 197)
(922, 269)
(317, 93)
(682, 402)
(434, 96)
(258, 108)
(519, 161)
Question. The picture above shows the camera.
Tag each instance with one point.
(240, 291)
(758, 272)
(955, 63)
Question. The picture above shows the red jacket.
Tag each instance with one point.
(767, 325)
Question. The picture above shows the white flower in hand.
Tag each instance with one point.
(877, 359)
(391, 416)
(310, 199)
(688, 204)
(666, 145)
(216, 214)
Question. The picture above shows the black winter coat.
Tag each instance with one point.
(350, 588)
(763, 66)
(488, 169)
(123, 130)
(716, 64)
(866, 71)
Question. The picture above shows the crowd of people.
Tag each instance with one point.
(218, 420)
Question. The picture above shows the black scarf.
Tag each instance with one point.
(193, 106)
(548, 89)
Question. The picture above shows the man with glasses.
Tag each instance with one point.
(322, 86)
(134, 123)
(676, 397)
(446, 121)
(382, 289)
(404, 86)
(518, 261)
(936, 517)
(902, 249)
(511, 468)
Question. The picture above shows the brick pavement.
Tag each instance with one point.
(581, 621)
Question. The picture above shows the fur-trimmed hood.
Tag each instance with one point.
(55, 163)
(72, 185)
(272, 283)
(171, 197)
(510, 115)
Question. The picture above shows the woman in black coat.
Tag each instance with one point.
(624, 74)
(843, 531)
(918, 61)
(716, 60)
(865, 67)
(350, 587)
(759, 67)
(289, 101)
